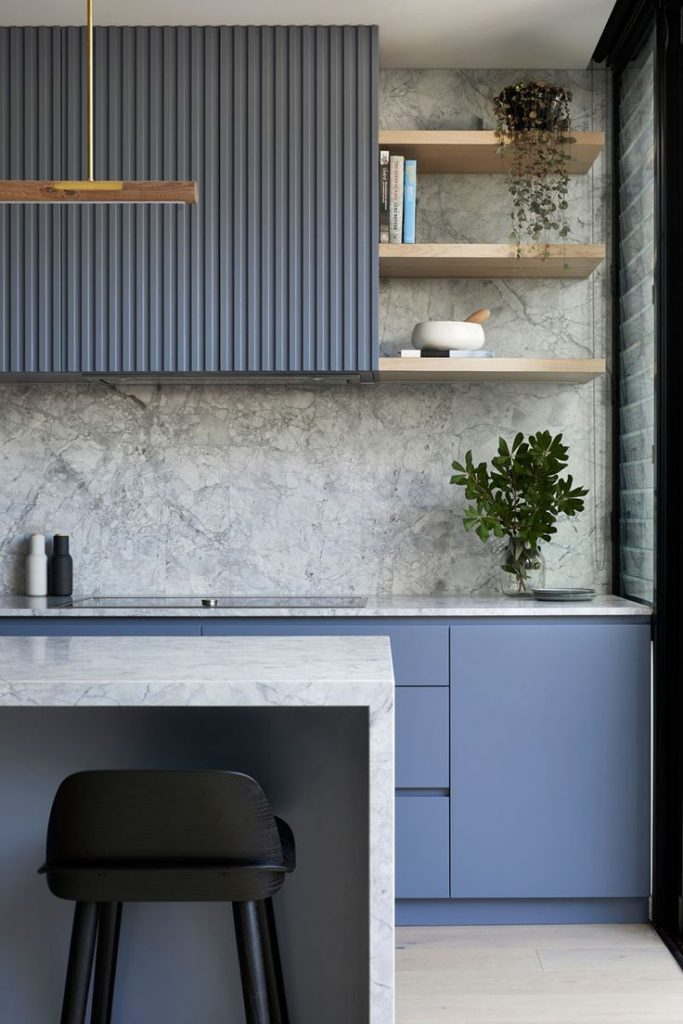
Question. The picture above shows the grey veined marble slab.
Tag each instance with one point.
(427, 606)
(333, 490)
(268, 672)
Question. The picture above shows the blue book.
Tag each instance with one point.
(409, 199)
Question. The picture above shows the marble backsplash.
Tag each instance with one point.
(327, 489)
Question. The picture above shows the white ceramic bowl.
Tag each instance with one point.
(448, 334)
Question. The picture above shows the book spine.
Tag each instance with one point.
(384, 195)
(396, 173)
(409, 201)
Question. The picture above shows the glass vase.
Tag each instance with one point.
(522, 569)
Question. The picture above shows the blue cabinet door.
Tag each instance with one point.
(550, 777)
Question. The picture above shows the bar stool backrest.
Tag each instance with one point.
(161, 816)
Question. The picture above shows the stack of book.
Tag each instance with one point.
(397, 196)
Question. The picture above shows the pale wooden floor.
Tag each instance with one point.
(569, 974)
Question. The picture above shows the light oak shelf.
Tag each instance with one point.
(481, 260)
(444, 152)
(445, 371)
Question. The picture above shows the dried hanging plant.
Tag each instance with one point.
(532, 125)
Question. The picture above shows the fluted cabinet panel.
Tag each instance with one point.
(274, 270)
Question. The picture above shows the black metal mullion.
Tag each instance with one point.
(668, 634)
(627, 28)
(616, 347)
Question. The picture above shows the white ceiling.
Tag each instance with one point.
(413, 33)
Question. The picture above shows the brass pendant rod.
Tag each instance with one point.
(90, 190)
(90, 94)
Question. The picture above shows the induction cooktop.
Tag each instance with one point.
(219, 602)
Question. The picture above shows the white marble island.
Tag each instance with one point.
(248, 676)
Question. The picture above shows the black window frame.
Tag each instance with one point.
(627, 30)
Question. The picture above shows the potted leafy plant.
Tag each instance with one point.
(532, 125)
(520, 498)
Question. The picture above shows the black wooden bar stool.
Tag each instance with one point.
(119, 836)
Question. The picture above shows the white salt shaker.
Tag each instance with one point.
(36, 567)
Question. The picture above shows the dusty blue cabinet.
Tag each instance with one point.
(274, 270)
(522, 759)
(550, 760)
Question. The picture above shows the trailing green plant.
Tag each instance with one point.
(532, 126)
(521, 496)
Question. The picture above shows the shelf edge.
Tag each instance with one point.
(522, 370)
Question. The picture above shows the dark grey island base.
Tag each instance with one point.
(522, 748)
(310, 719)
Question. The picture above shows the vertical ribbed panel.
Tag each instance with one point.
(274, 270)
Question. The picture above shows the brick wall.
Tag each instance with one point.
(637, 325)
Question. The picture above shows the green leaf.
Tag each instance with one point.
(522, 494)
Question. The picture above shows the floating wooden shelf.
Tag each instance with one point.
(439, 152)
(444, 371)
(480, 260)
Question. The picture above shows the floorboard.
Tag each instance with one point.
(546, 974)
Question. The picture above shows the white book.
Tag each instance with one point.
(396, 183)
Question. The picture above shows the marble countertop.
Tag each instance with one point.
(296, 671)
(455, 606)
(265, 672)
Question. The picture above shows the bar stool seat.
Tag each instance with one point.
(126, 836)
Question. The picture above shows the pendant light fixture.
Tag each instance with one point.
(90, 190)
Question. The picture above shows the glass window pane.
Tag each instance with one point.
(637, 324)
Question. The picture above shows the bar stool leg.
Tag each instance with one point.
(109, 926)
(274, 978)
(80, 964)
(250, 947)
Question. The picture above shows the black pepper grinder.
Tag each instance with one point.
(61, 571)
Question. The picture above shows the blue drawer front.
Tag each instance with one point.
(421, 656)
(99, 627)
(422, 847)
(420, 652)
(422, 730)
